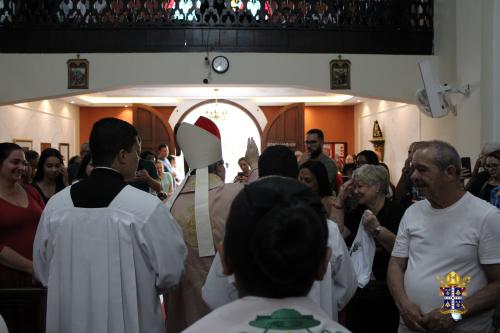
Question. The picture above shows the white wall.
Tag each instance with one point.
(400, 125)
(46, 121)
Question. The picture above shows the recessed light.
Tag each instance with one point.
(126, 106)
(72, 102)
(358, 100)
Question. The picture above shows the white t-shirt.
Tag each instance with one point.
(458, 238)
(256, 314)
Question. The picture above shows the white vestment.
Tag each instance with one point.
(256, 314)
(105, 267)
(331, 294)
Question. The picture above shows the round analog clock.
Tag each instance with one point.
(220, 64)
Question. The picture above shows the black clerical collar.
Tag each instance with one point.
(99, 189)
(107, 172)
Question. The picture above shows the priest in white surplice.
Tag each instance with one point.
(104, 249)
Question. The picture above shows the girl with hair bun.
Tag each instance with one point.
(276, 246)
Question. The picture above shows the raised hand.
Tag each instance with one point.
(252, 153)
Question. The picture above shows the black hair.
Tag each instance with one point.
(278, 161)
(276, 238)
(495, 154)
(370, 156)
(348, 169)
(82, 169)
(31, 155)
(147, 153)
(108, 137)
(49, 152)
(319, 171)
(161, 146)
(6, 148)
(242, 159)
(73, 160)
(318, 132)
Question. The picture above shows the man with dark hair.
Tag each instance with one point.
(314, 151)
(451, 234)
(104, 249)
(162, 156)
(278, 161)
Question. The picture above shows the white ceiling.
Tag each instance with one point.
(176, 95)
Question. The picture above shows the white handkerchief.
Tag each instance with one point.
(362, 253)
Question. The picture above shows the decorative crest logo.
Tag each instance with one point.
(453, 289)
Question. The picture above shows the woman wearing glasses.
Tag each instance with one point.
(492, 166)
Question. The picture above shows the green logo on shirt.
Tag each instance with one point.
(285, 319)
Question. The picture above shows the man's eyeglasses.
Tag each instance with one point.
(310, 142)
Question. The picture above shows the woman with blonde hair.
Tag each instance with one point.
(380, 216)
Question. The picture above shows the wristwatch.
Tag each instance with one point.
(377, 231)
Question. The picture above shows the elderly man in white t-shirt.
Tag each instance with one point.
(449, 231)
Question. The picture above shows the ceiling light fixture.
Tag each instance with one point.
(216, 115)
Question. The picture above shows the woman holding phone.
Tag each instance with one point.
(51, 176)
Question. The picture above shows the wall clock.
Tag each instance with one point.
(220, 64)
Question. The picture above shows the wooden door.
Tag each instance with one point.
(286, 129)
(152, 130)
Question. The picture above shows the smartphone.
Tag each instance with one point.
(465, 161)
(240, 174)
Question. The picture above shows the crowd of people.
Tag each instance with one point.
(297, 241)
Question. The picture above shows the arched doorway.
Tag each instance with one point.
(236, 125)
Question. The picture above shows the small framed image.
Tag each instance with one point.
(26, 144)
(45, 145)
(340, 150)
(64, 150)
(340, 74)
(328, 149)
(78, 73)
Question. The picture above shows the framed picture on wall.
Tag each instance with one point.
(78, 73)
(64, 150)
(328, 149)
(45, 145)
(26, 144)
(340, 151)
(340, 74)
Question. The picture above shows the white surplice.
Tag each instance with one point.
(105, 267)
(256, 314)
(331, 294)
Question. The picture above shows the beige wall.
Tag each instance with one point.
(46, 121)
(35, 76)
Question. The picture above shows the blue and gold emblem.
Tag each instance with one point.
(453, 290)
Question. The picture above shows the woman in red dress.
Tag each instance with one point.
(20, 210)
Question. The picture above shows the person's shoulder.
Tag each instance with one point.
(326, 159)
(135, 200)
(479, 206)
(60, 200)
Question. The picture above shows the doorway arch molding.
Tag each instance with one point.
(251, 110)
